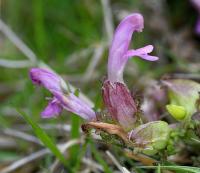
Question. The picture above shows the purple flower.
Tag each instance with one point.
(70, 102)
(117, 98)
(119, 53)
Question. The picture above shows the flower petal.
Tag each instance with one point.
(75, 105)
(46, 78)
(53, 109)
(149, 57)
(143, 50)
(120, 44)
(142, 53)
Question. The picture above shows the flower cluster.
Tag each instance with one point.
(120, 104)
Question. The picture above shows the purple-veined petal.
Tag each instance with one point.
(53, 109)
(75, 105)
(120, 44)
(46, 78)
(120, 104)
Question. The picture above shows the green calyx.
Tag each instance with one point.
(151, 137)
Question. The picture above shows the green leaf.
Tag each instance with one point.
(75, 124)
(45, 139)
(99, 158)
(186, 169)
(158, 169)
(81, 155)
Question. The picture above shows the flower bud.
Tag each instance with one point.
(120, 104)
(178, 112)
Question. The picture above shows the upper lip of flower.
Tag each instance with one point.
(46, 78)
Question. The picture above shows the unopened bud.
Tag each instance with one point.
(178, 112)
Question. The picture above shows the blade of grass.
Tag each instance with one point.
(196, 140)
(158, 169)
(39, 26)
(99, 158)
(74, 150)
(45, 139)
(81, 155)
(186, 169)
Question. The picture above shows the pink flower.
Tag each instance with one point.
(119, 53)
(117, 98)
(69, 101)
